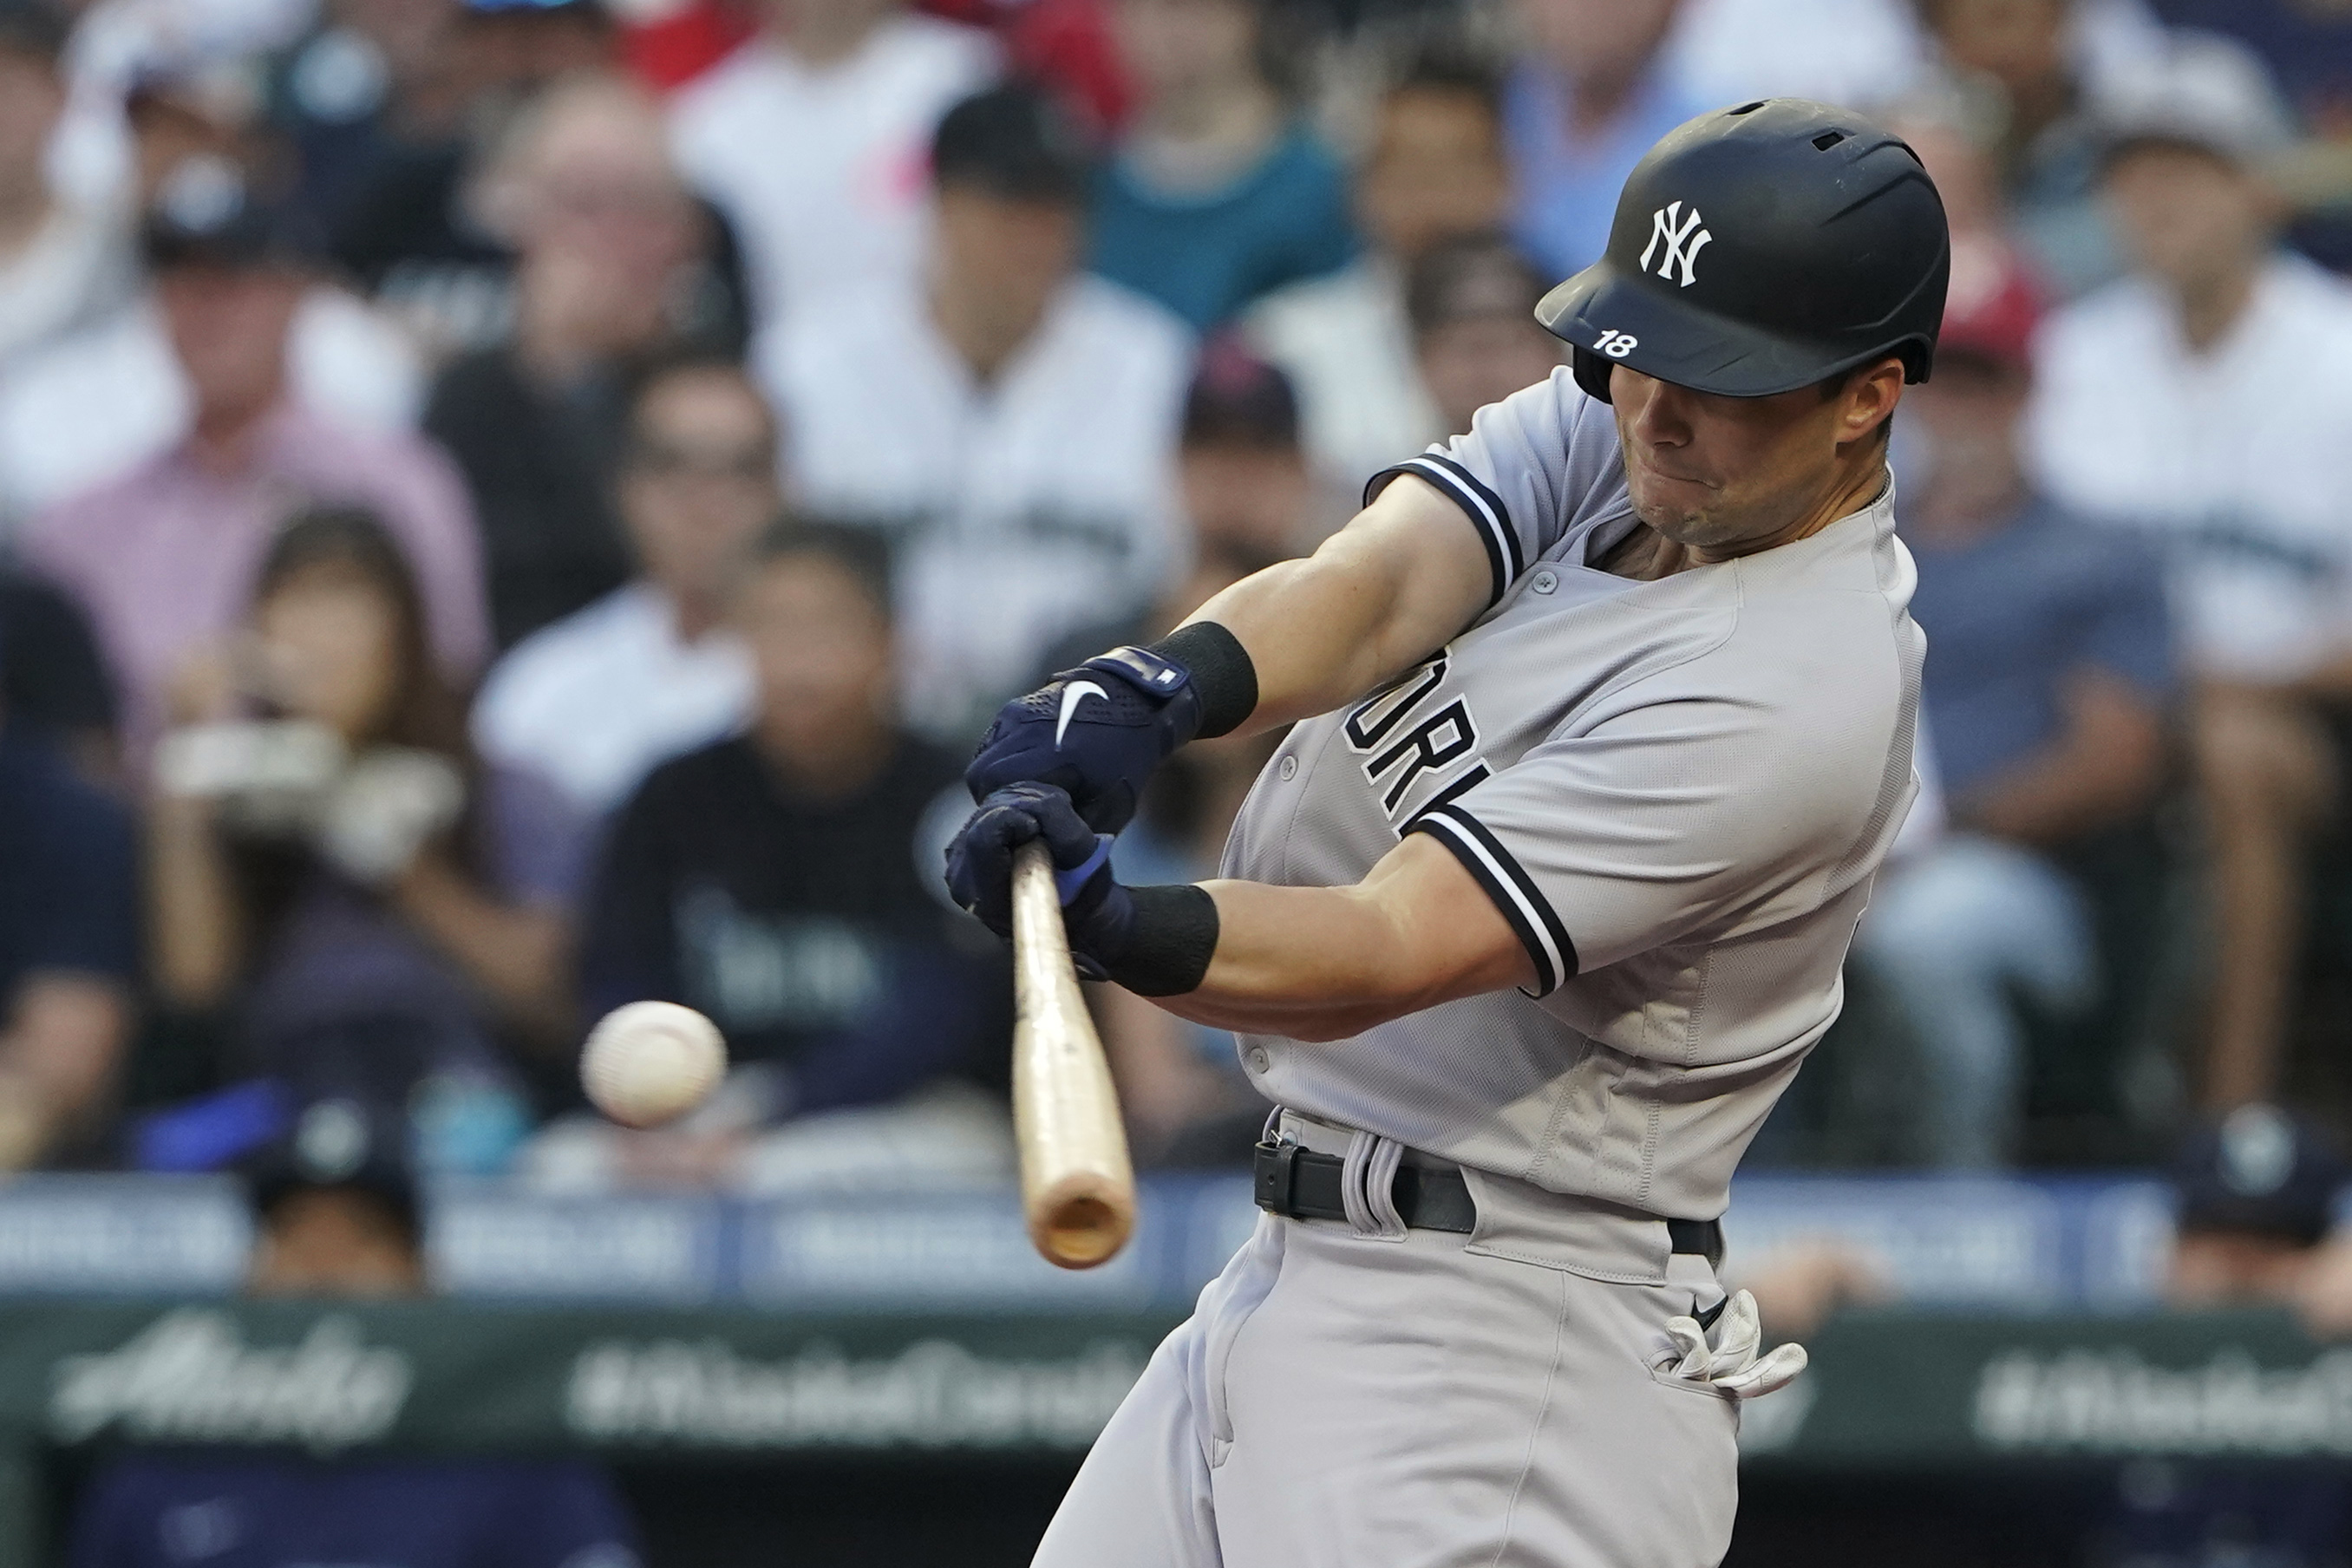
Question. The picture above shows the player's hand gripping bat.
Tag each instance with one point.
(1077, 1185)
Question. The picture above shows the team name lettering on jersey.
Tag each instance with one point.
(1403, 733)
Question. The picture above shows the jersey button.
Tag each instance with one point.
(1545, 582)
(1258, 1060)
(1289, 769)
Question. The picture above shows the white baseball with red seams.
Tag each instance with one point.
(651, 1062)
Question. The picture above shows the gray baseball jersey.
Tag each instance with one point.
(1675, 792)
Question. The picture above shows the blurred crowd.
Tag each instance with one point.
(512, 507)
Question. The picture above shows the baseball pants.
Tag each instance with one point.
(1345, 1400)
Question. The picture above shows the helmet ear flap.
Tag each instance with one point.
(1592, 372)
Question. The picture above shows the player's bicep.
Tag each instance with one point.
(1403, 579)
(1453, 938)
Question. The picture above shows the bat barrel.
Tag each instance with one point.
(1077, 1185)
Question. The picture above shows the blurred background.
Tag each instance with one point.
(512, 507)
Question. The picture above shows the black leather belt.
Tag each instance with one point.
(1303, 1184)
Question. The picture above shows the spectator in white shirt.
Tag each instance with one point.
(1014, 421)
(811, 139)
(651, 671)
(2209, 394)
(1435, 170)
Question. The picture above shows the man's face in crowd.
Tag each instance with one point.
(1009, 252)
(821, 647)
(1602, 39)
(1436, 171)
(2214, 1268)
(1475, 360)
(228, 327)
(2018, 42)
(1969, 416)
(1724, 474)
(2186, 214)
(700, 480)
(1175, 46)
(597, 185)
(334, 1241)
(31, 98)
(1248, 501)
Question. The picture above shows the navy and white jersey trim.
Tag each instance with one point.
(1507, 882)
(1485, 509)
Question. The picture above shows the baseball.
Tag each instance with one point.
(651, 1062)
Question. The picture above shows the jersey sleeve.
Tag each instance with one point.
(1535, 468)
(1666, 821)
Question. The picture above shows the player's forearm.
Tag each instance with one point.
(1379, 595)
(1315, 963)
(1322, 964)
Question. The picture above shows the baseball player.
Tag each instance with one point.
(1602, 720)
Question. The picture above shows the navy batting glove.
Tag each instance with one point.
(1097, 912)
(1095, 732)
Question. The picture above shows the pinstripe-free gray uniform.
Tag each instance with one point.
(1677, 792)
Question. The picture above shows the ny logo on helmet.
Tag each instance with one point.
(1670, 229)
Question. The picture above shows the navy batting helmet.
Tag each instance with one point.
(1759, 250)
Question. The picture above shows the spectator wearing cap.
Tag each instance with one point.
(1013, 420)
(652, 670)
(163, 556)
(2047, 699)
(62, 263)
(604, 235)
(2256, 1195)
(69, 944)
(1435, 172)
(335, 1219)
(1217, 192)
(855, 89)
(2207, 400)
(784, 882)
(1594, 92)
(88, 404)
(1471, 304)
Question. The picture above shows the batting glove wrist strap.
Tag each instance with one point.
(1073, 882)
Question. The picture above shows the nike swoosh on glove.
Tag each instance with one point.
(1729, 1363)
(1095, 732)
(1098, 914)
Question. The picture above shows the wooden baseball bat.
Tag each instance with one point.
(1077, 1185)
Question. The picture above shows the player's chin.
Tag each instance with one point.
(1678, 519)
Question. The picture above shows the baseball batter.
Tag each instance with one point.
(1602, 721)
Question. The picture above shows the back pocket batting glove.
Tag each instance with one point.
(1095, 732)
(1097, 912)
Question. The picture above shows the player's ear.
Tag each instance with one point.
(1870, 396)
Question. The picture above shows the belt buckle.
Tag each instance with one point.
(1276, 1170)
